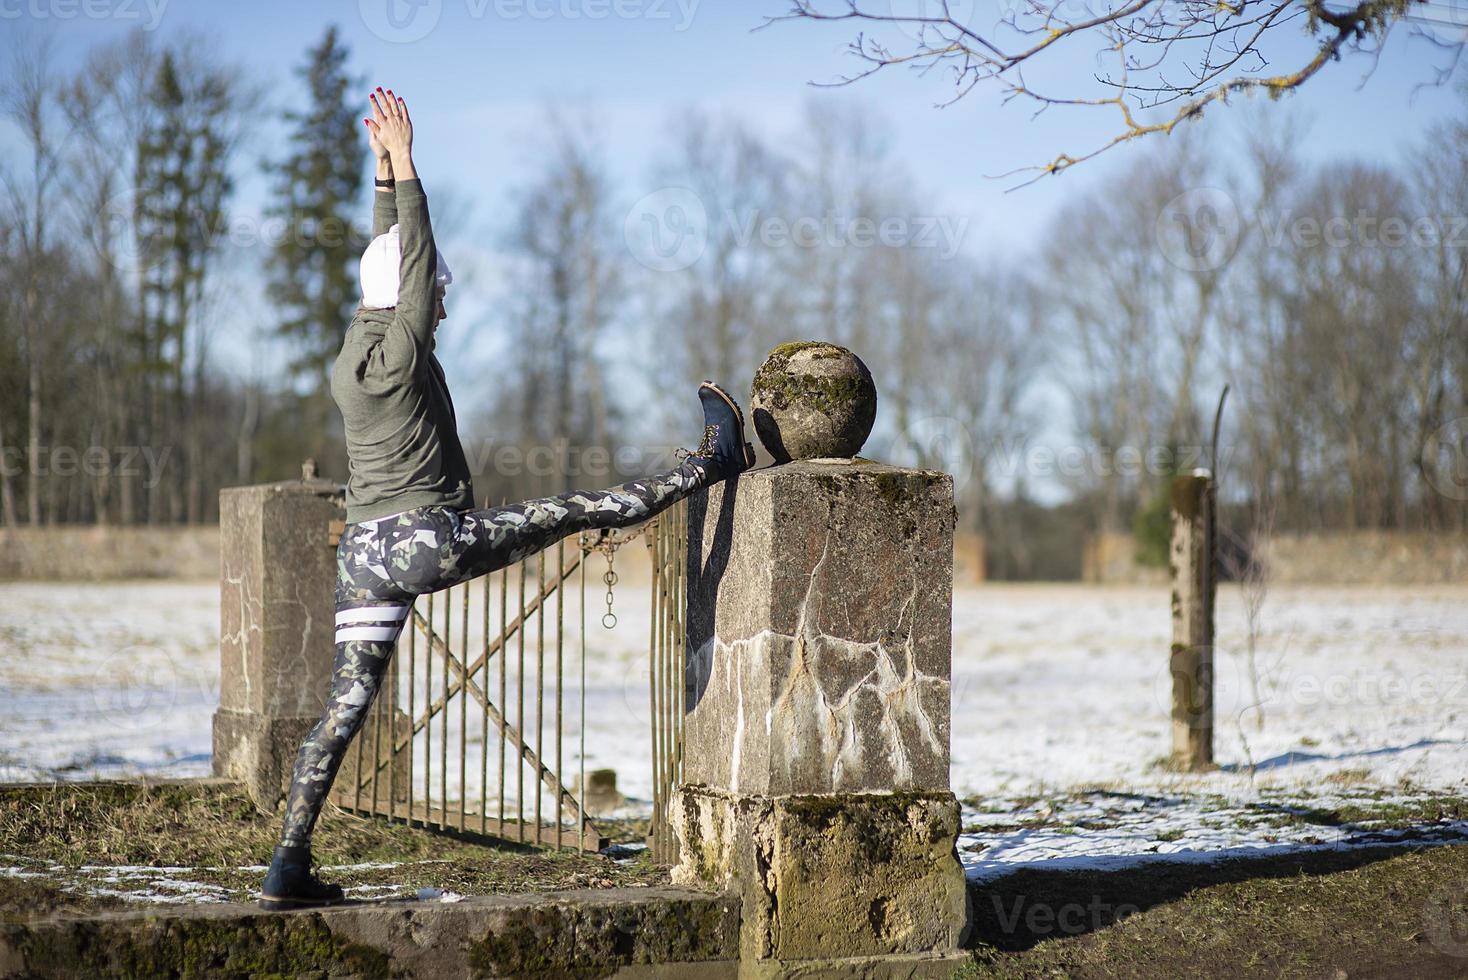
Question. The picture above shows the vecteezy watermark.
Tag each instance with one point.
(1445, 459)
(669, 230)
(148, 14)
(1049, 14)
(1066, 919)
(1378, 690)
(129, 461)
(565, 460)
(1075, 461)
(1201, 229)
(932, 23)
(131, 248)
(406, 21)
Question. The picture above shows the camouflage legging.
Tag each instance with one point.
(383, 565)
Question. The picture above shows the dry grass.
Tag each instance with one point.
(1359, 912)
(77, 834)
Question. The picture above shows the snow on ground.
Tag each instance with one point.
(107, 680)
(1060, 707)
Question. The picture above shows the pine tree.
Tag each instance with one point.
(312, 270)
(183, 186)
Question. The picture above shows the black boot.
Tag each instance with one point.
(723, 450)
(289, 884)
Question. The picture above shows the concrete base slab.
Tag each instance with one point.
(592, 932)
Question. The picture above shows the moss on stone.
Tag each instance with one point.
(848, 400)
(261, 946)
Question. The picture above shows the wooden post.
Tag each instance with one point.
(1191, 561)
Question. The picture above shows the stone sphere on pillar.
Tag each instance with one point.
(813, 400)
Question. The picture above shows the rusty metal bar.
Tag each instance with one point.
(378, 703)
(464, 721)
(484, 721)
(539, 691)
(443, 726)
(655, 542)
(435, 706)
(504, 616)
(581, 794)
(560, 649)
(520, 715)
(428, 695)
(392, 769)
(565, 798)
(412, 684)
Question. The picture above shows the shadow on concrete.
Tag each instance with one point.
(704, 579)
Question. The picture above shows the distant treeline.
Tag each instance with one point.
(1334, 300)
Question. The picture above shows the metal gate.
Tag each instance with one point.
(469, 730)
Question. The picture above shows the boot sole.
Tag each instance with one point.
(738, 416)
(287, 904)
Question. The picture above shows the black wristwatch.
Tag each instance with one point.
(378, 181)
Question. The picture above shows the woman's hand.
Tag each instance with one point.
(391, 129)
(374, 143)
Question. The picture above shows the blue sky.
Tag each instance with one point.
(482, 76)
(479, 81)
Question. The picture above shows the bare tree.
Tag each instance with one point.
(568, 291)
(1161, 62)
(1131, 315)
(1438, 380)
(31, 105)
(717, 317)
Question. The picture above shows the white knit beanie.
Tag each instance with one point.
(379, 271)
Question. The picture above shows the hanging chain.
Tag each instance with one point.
(607, 541)
(609, 618)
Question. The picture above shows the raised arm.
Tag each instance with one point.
(417, 308)
(384, 200)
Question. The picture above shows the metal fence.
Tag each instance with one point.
(469, 731)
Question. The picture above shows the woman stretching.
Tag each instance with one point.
(412, 527)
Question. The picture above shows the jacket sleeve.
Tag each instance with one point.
(406, 343)
(384, 211)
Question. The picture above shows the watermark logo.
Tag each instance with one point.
(146, 14)
(1199, 230)
(135, 687)
(939, 443)
(406, 21)
(400, 21)
(931, 23)
(667, 230)
(1179, 698)
(1445, 459)
(1053, 14)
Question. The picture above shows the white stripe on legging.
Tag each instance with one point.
(345, 633)
(371, 614)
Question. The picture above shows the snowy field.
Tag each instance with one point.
(1060, 701)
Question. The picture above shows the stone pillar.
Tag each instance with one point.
(277, 616)
(816, 739)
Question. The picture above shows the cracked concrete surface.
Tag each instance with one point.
(827, 669)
